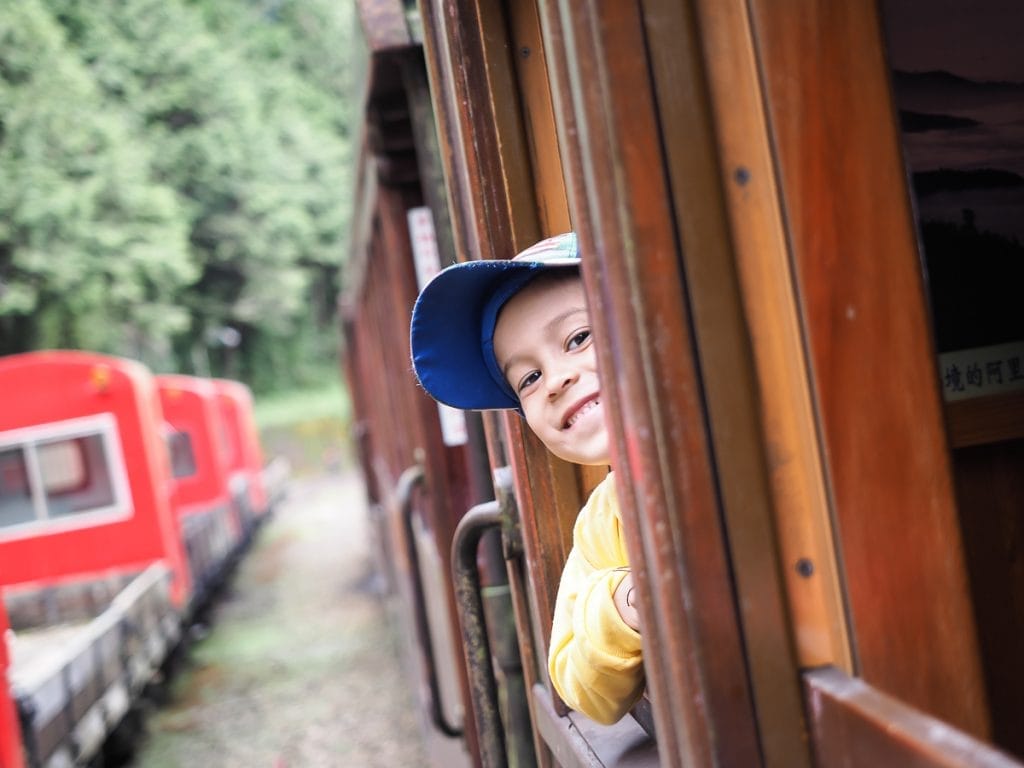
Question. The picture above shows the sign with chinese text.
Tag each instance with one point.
(982, 371)
(427, 260)
(425, 255)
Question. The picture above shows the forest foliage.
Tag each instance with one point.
(174, 181)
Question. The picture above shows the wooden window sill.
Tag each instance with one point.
(577, 741)
(985, 419)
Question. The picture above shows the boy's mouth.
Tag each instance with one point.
(579, 410)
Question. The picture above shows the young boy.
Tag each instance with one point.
(516, 334)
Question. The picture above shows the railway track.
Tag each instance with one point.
(300, 666)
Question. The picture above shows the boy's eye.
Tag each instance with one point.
(578, 339)
(527, 380)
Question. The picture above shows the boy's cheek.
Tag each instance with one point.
(542, 430)
(535, 424)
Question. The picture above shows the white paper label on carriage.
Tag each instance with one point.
(425, 255)
(453, 425)
(982, 371)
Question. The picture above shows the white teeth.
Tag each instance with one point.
(575, 417)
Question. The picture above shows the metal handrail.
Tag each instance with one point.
(483, 689)
(409, 480)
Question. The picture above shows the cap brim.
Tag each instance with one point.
(446, 330)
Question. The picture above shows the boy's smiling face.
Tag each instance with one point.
(543, 345)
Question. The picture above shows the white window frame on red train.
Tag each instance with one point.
(95, 445)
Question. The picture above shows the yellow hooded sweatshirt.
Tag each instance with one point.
(594, 660)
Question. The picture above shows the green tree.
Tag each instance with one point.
(92, 250)
(300, 53)
(254, 150)
(174, 176)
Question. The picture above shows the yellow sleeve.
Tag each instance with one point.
(595, 659)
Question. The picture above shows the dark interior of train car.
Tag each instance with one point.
(958, 85)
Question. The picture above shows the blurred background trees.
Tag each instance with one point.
(174, 181)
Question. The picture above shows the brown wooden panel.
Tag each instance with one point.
(505, 185)
(863, 305)
(384, 25)
(692, 648)
(752, 362)
(428, 152)
(766, 285)
(468, 60)
(853, 723)
(539, 121)
(398, 422)
(990, 487)
(449, 136)
(985, 419)
(581, 743)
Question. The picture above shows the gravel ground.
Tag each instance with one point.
(300, 667)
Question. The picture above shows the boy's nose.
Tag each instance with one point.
(561, 382)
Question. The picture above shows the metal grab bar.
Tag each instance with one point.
(483, 689)
(409, 480)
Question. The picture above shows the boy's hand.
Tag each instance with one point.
(625, 602)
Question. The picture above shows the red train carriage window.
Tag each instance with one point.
(183, 458)
(62, 466)
(55, 472)
(15, 497)
(75, 476)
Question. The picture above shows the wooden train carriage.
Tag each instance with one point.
(84, 472)
(801, 235)
(423, 466)
(212, 529)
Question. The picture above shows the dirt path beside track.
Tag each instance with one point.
(300, 668)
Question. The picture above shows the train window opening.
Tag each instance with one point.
(15, 496)
(958, 85)
(183, 458)
(75, 475)
(62, 465)
(61, 471)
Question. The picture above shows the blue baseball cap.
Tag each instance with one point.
(452, 331)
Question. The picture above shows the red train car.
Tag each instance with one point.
(125, 499)
(197, 440)
(10, 735)
(244, 455)
(83, 472)
(91, 562)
